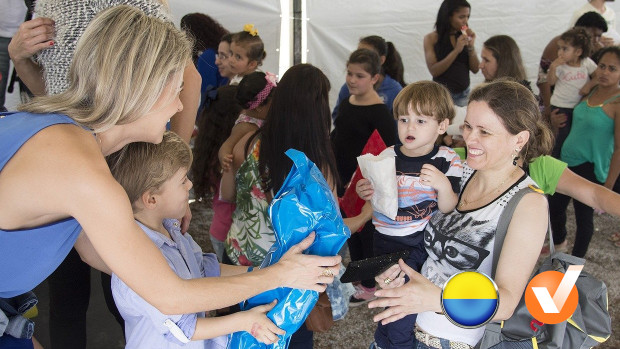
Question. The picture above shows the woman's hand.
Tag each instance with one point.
(461, 42)
(260, 326)
(364, 189)
(471, 38)
(393, 277)
(32, 37)
(297, 270)
(558, 120)
(416, 296)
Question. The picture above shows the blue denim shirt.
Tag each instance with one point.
(144, 324)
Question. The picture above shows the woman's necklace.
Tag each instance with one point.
(465, 202)
(99, 141)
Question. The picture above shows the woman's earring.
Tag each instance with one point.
(515, 156)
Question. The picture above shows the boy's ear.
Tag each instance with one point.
(443, 125)
(148, 200)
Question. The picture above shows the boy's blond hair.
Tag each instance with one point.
(425, 98)
(140, 166)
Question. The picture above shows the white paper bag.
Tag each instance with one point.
(380, 170)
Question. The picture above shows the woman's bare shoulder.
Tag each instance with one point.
(48, 173)
(431, 37)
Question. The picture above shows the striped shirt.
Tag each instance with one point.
(417, 202)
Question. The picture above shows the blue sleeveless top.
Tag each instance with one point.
(30, 255)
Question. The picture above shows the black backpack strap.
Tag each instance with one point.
(504, 222)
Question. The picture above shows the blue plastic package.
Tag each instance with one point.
(304, 204)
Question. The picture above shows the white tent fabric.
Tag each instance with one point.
(234, 14)
(335, 27)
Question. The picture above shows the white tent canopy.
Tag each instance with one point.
(334, 28)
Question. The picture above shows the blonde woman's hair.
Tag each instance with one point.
(425, 98)
(121, 65)
(141, 166)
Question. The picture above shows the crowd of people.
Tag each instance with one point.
(96, 170)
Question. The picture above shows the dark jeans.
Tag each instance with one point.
(583, 214)
(399, 334)
(8, 342)
(69, 288)
(361, 247)
(563, 131)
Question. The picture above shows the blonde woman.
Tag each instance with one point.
(56, 189)
(51, 40)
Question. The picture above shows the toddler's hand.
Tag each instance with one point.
(364, 189)
(431, 176)
(226, 162)
(557, 62)
(260, 326)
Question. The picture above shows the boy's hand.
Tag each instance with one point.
(364, 189)
(431, 176)
(226, 162)
(260, 326)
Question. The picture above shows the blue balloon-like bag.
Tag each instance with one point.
(304, 204)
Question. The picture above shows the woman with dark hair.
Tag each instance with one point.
(205, 31)
(207, 34)
(449, 50)
(391, 77)
(501, 57)
(216, 123)
(298, 118)
(591, 150)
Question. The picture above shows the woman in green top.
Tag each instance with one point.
(592, 148)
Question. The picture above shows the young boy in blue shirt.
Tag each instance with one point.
(155, 179)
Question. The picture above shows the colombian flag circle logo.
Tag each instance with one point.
(469, 299)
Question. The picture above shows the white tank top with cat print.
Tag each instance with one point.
(460, 241)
